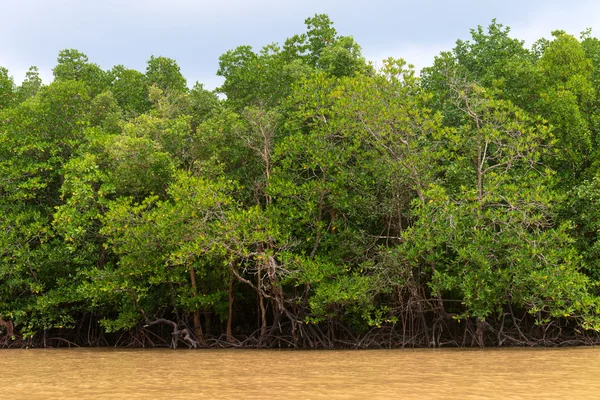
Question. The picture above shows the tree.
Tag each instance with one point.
(164, 73)
(74, 65)
(265, 78)
(171, 244)
(492, 59)
(260, 80)
(320, 204)
(7, 88)
(38, 138)
(566, 102)
(202, 103)
(322, 48)
(492, 239)
(30, 86)
(130, 88)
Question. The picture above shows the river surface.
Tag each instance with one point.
(572, 373)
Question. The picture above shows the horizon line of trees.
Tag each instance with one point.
(319, 203)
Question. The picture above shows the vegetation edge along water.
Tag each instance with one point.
(310, 201)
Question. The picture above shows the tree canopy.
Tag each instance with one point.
(310, 201)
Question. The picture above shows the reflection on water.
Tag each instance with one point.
(267, 374)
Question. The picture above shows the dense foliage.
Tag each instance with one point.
(311, 200)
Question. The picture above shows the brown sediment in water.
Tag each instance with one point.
(260, 374)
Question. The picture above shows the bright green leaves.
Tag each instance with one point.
(30, 86)
(494, 59)
(264, 79)
(130, 89)
(565, 99)
(564, 59)
(165, 74)
(497, 256)
(77, 219)
(358, 150)
(41, 133)
(318, 192)
(253, 79)
(553, 81)
(323, 49)
(583, 207)
(106, 113)
(7, 89)
(352, 295)
(202, 104)
(39, 136)
(172, 136)
(74, 66)
(138, 166)
(158, 242)
(490, 236)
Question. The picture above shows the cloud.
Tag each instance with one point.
(196, 32)
(530, 25)
(573, 20)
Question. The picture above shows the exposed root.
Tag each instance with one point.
(182, 334)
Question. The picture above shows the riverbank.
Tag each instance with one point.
(432, 334)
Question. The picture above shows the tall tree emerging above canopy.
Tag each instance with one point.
(130, 88)
(74, 65)
(322, 48)
(491, 59)
(7, 87)
(265, 78)
(164, 73)
(31, 85)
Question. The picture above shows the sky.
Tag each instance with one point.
(196, 32)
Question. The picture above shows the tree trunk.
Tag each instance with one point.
(207, 314)
(8, 326)
(178, 334)
(197, 325)
(230, 311)
(261, 302)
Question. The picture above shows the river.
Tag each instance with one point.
(572, 373)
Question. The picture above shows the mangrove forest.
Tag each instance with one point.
(313, 200)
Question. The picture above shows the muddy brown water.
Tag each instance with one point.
(572, 373)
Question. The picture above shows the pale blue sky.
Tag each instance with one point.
(195, 33)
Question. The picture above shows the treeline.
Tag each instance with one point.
(310, 201)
